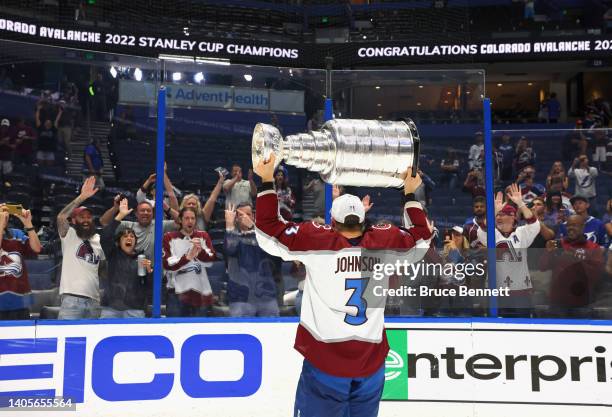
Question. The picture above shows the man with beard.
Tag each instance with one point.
(577, 264)
(82, 252)
(470, 228)
(143, 227)
(186, 254)
(251, 290)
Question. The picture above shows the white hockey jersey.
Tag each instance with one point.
(511, 254)
(341, 327)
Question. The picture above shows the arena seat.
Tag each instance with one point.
(217, 276)
(41, 273)
(44, 298)
(49, 312)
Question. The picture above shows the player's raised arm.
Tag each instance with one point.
(274, 235)
(415, 220)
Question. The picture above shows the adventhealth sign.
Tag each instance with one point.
(221, 97)
(226, 97)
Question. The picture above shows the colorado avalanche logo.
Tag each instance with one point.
(11, 265)
(86, 253)
(506, 252)
(194, 267)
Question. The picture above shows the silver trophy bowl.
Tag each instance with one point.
(369, 153)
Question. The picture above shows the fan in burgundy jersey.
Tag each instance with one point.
(15, 292)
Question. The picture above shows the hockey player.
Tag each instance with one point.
(340, 335)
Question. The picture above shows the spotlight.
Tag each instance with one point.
(113, 72)
(176, 76)
(248, 77)
(198, 77)
(137, 74)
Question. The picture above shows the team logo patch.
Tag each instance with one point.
(86, 253)
(195, 267)
(11, 265)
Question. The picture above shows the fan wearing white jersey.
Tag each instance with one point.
(511, 242)
(340, 335)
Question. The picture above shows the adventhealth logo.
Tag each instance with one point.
(186, 94)
(103, 384)
(218, 97)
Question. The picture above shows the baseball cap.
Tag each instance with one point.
(508, 210)
(347, 205)
(578, 198)
(5, 122)
(79, 210)
(457, 229)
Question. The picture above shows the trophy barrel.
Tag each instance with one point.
(370, 153)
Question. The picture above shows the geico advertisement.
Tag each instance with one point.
(251, 369)
(191, 369)
(534, 365)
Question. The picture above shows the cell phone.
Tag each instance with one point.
(222, 171)
(14, 209)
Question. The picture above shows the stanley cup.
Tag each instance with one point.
(368, 153)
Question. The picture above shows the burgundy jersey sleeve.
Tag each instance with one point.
(172, 262)
(416, 225)
(275, 235)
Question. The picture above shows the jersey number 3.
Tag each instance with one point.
(358, 285)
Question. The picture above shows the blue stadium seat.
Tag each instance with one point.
(41, 273)
(217, 276)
